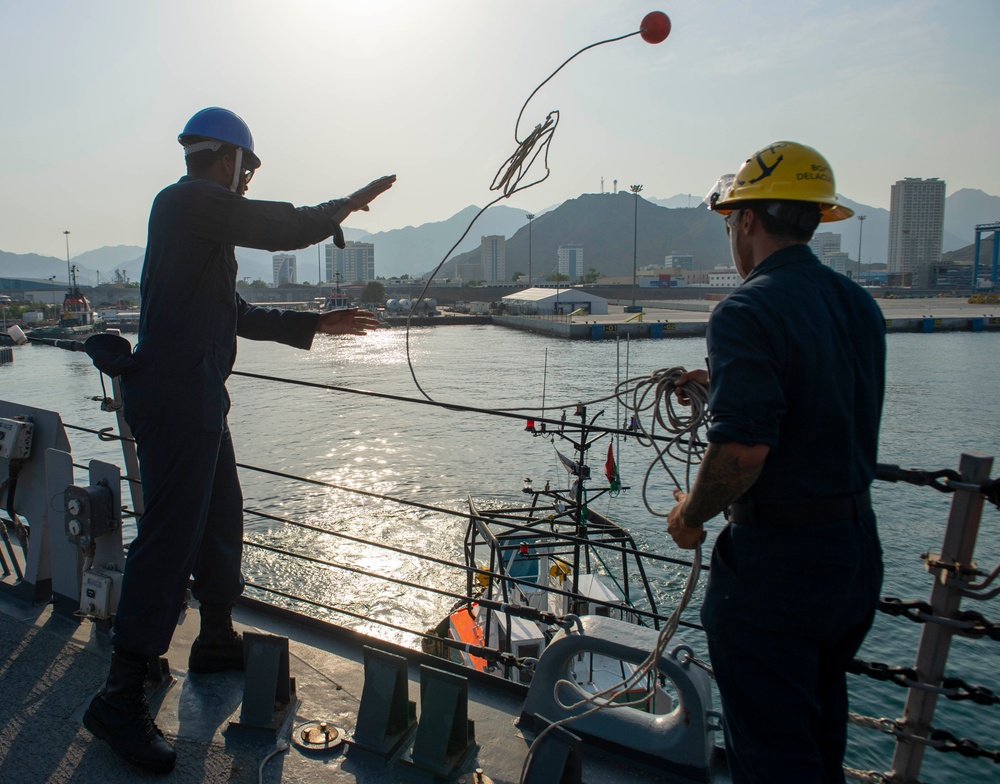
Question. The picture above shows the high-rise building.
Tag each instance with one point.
(824, 242)
(283, 265)
(571, 261)
(826, 246)
(468, 270)
(493, 255)
(837, 261)
(682, 261)
(354, 263)
(916, 226)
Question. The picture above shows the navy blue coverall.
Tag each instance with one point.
(175, 400)
(797, 362)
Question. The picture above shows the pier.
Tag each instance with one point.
(689, 318)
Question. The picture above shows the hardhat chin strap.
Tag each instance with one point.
(238, 170)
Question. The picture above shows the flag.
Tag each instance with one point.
(570, 465)
(611, 470)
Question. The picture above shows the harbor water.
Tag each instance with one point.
(941, 400)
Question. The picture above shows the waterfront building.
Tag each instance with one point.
(916, 229)
(283, 267)
(826, 246)
(493, 257)
(724, 278)
(679, 261)
(468, 270)
(545, 301)
(354, 263)
(956, 277)
(838, 261)
(571, 261)
(824, 242)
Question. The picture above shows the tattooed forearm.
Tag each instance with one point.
(726, 473)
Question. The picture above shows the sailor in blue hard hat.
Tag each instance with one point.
(176, 404)
(213, 127)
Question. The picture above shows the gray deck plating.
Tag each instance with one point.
(50, 666)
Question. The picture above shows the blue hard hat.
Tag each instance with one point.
(221, 125)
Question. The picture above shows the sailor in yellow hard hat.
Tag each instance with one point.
(797, 361)
(788, 185)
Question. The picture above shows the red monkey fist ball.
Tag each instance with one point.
(655, 27)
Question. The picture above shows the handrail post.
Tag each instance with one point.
(953, 571)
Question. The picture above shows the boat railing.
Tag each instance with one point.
(560, 529)
(953, 571)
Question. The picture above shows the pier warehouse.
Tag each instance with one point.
(539, 301)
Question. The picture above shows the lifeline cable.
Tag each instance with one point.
(655, 27)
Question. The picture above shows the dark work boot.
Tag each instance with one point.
(119, 715)
(218, 646)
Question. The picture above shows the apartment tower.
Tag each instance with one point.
(916, 226)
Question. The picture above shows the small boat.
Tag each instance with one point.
(531, 567)
(77, 317)
(336, 300)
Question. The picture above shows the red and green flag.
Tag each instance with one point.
(611, 470)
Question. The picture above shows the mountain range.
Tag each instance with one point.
(604, 224)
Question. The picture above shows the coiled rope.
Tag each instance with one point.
(510, 177)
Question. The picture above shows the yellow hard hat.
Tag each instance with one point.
(786, 171)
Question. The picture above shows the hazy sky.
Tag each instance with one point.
(93, 95)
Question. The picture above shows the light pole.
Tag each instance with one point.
(69, 275)
(52, 281)
(635, 236)
(530, 218)
(861, 230)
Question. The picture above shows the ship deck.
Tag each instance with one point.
(51, 665)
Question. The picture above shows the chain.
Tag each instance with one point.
(915, 611)
(991, 490)
(968, 623)
(963, 691)
(916, 476)
(953, 688)
(953, 480)
(941, 740)
(901, 676)
(944, 741)
(980, 627)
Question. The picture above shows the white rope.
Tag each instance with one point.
(278, 749)
(650, 396)
(888, 726)
(866, 776)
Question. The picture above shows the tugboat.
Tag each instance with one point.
(77, 317)
(337, 299)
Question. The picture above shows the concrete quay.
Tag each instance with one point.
(689, 318)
